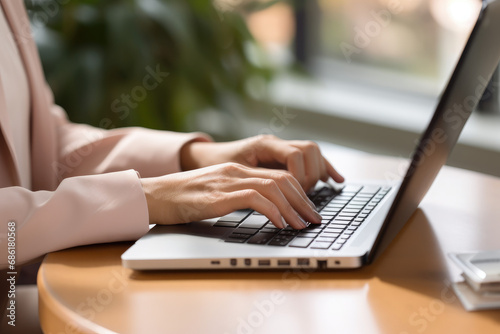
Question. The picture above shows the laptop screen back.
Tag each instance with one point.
(470, 78)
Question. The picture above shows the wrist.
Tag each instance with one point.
(147, 189)
(191, 155)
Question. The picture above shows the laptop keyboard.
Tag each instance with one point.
(343, 213)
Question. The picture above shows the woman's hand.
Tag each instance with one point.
(218, 190)
(302, 159)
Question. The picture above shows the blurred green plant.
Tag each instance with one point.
(97, 53)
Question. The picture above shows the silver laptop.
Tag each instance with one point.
(359, 221)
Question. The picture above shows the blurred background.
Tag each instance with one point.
(365, 74)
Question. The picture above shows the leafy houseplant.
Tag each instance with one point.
(151, 63)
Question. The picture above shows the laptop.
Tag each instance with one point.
(360, 220)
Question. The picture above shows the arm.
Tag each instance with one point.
(85, 150)
(82, 210)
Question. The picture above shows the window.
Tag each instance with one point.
(409, 45)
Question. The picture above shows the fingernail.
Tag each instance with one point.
(302, 221)
(283, 222)
(316, 213)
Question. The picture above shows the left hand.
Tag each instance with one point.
(302, 159)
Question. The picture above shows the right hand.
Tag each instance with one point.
(218, 190)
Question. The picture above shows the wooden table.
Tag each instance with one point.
(406, 290)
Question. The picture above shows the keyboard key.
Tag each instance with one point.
(239, 236)
(254, 221)
(370, 190)
(323, 197)
(235, 240)
(270, 230)
(329, 214)
(308, 233)
(339, 223)
(301, 242)
(351, 210)
(337, 246)
(333, 210)
(327, 238)
(359, 202)
(314, 227)
(343, 219)
(334, 206)
(339, 202)
(362, 199)
(281, 240)
(336, 228)
(235, 216)
(260, 238)
(249, 231)
(354, 206)
(330, 231)
(342, 198)
(321, 244)
(351, 188)
(347, 214)
(226, 224)
(333, 230)
(288, 232)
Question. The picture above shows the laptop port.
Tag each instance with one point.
(303, 262)
(248, 262)
(264, 262)
(337, 262)
(233, 262)
(283, 262)
(322, 264)
(215, 262)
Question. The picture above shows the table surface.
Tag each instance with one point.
(406, 290)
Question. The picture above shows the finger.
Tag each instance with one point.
(333, 173)
(291, 205)
(295, 165)
(276, 175)
(242, 171)
(312, 159)
(250, 198)
(269, 189)
(323, 174)
(277, 150)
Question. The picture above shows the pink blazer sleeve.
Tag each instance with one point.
(87, 150)
(82, 210)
